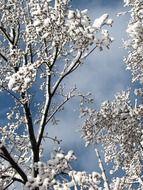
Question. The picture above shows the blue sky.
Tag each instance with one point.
(95, 3)
(103, 74)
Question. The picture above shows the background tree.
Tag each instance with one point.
(118, 124)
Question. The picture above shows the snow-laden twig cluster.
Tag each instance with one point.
(134, 60)
(57, 173)
(23, 78)
(117, 126)
(58, 24)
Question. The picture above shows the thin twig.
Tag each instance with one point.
(13, 163)
(106, 183)
(3, 56)
(9, 92)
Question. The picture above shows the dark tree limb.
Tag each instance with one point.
(12, 162)
(6, 35)
(50, 94)
(3, 56)
(47, 102)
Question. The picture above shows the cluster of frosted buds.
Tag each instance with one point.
(48, 21)
(47, 172)
(85, 180)
(134, 168)
(82, 180)
(138, 92)
(11, 12)
(83, 32)
(15, 56)
(129, 2)
(23, 78)
(79, 27)
(59, 24)
(118, 126)
(120, 183)
(2, 168)
(134, 60)
(30, 33)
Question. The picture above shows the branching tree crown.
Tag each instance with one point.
(42, 43)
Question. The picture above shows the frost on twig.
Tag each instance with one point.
(118, 127)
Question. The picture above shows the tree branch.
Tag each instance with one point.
(10, 93)
(106, 183)
(32, 138)
(6, 35)
(87, 54)
(47, 102)
(51, 94)
(57, 109)
(13, 163)
(12, 178)
(44, 116)
(70, 69)
(16, 36)
(3, 56)
(29, 124)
